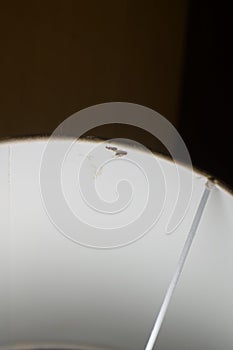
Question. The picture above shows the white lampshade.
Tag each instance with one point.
(56, 293)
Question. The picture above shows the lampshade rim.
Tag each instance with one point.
(37, 137)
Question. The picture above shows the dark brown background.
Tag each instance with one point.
(58, 57)
(61, 56)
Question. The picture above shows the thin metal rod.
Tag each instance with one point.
(170, 291)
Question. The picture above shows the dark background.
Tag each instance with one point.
(58, 57)
(206, 109)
